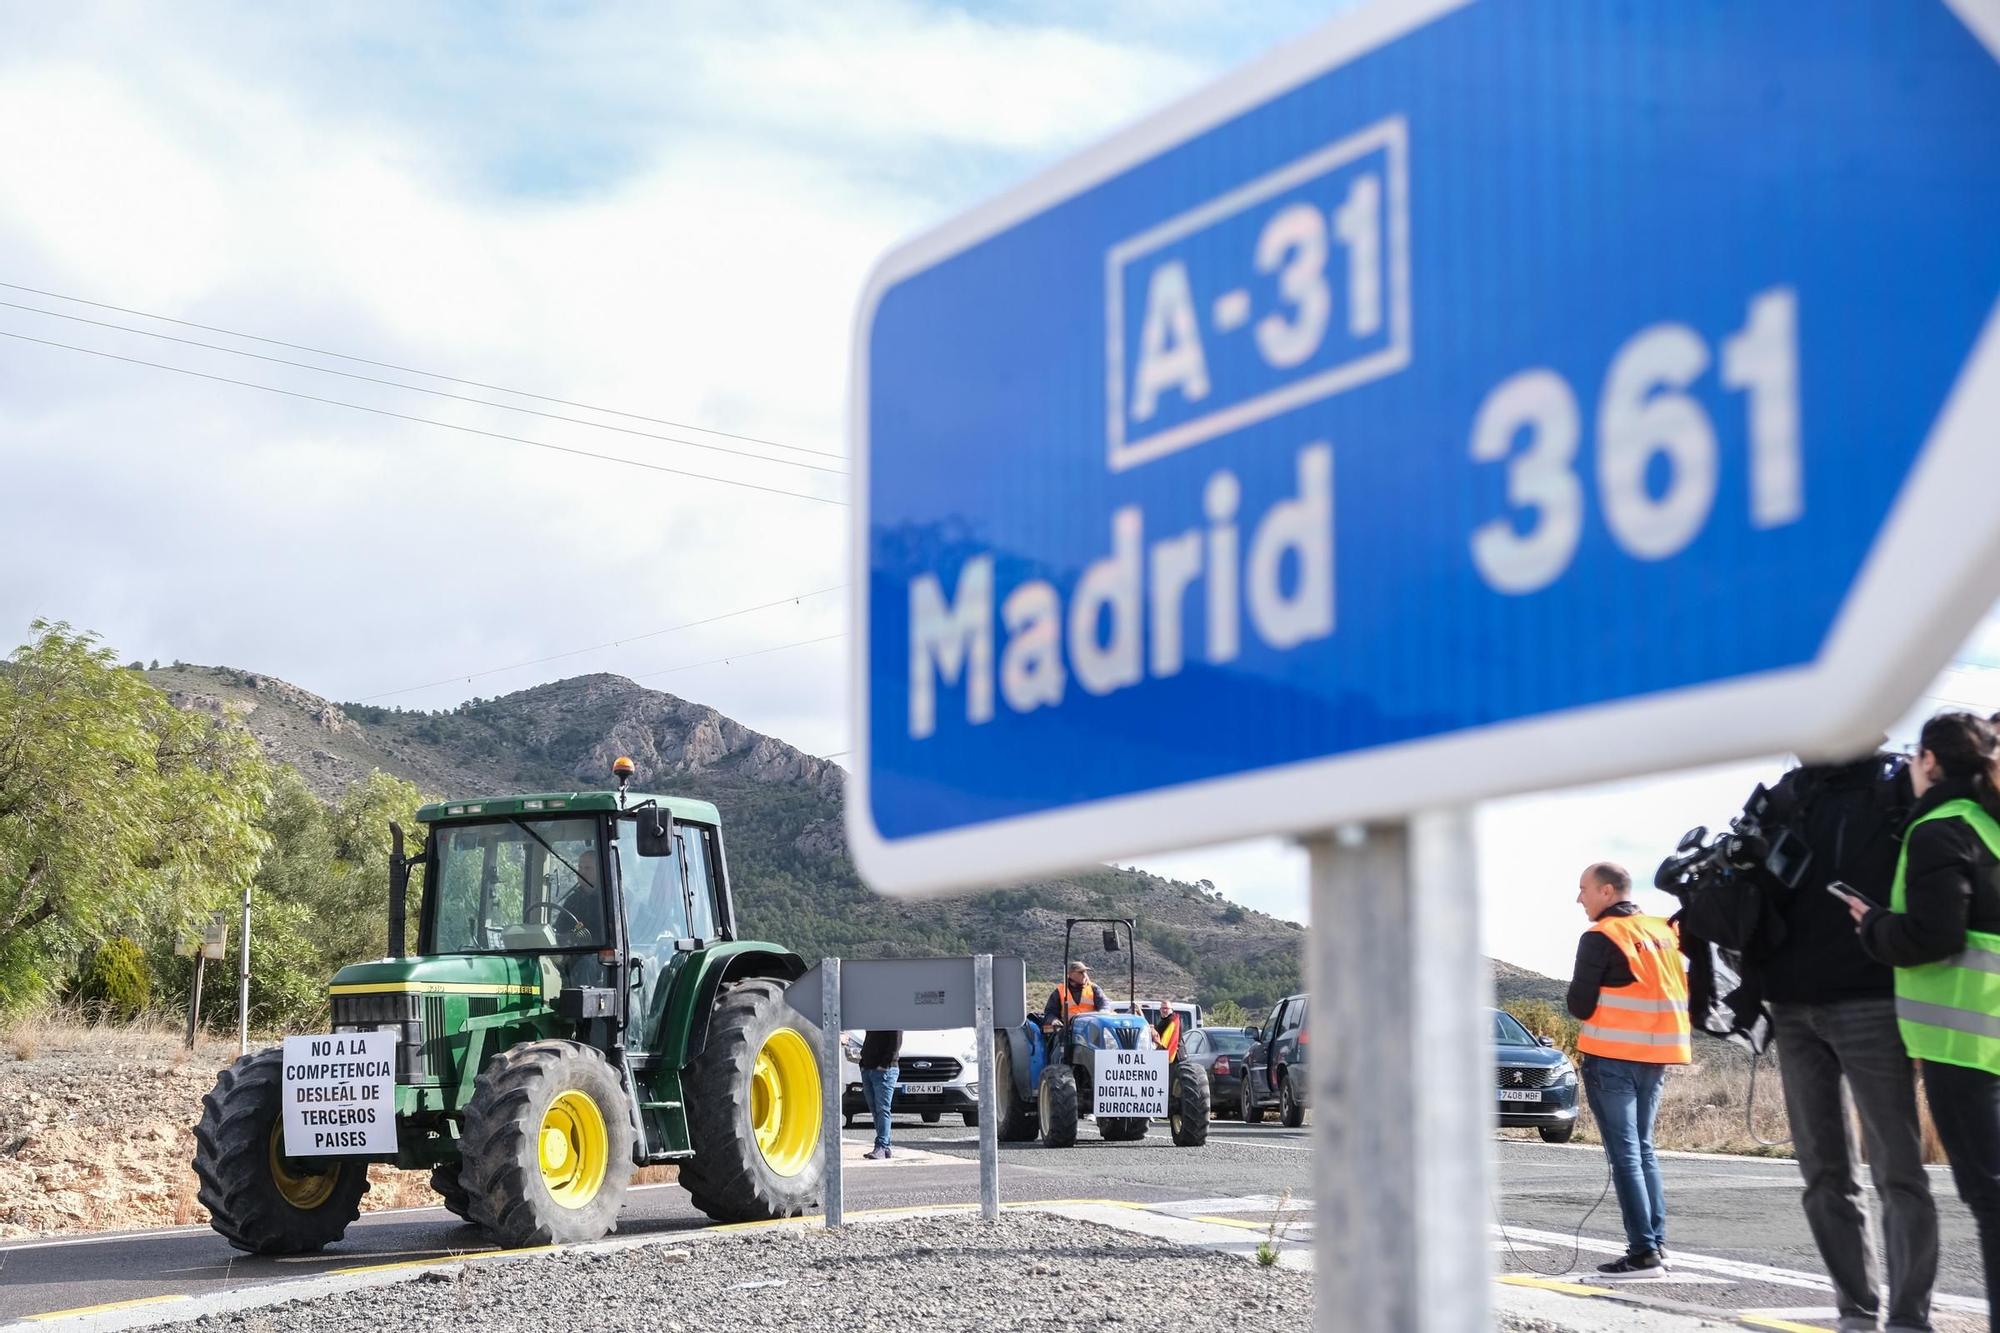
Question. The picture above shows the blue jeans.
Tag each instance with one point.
(1625, 1098)
(879, 1087)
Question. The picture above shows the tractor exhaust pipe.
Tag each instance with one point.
(399, 892)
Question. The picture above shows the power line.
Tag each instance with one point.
(469, 677)
(411, 370)
(756, 652)
(428, 421)
(836, 754)
(418, 388)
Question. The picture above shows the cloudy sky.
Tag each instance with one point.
(662, 211)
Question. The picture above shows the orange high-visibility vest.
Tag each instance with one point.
(1085, 1003)
(1646, 1021)
(1170, 1036)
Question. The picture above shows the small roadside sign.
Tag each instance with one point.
(215, 938)
(340, 1094)
(1130, 1083)
(914, 994)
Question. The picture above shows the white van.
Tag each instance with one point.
(937, 1073)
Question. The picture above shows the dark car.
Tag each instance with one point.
(1220, 1051)
(1274, 1072)
(1537, 1082)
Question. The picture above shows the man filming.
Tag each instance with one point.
(1834, 1013)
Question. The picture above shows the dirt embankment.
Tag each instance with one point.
(97, 1129)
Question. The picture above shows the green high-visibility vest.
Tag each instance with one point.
(1949, 1011)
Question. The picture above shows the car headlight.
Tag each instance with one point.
(1567, 1078)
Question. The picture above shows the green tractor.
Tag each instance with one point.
(578, 1005)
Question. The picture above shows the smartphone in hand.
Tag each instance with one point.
(1845, 891)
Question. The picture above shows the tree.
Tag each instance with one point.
(119, 813)
(321, 898)
(1226, 1014)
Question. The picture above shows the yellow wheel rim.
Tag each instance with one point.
(573, 1148)
(785, 1102)
(305, 1190)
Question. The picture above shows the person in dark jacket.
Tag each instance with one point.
(1941, 932)
(1834, 1012)
(879, 1071)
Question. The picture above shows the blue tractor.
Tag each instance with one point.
(1045, 1072)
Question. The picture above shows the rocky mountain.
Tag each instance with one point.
(782, 824)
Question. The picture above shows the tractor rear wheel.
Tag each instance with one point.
(1056, 1105)
(1123, 1128)
(753, 1108)
(451, 1189)
(1017, 1122)
(545, 1147)
(1187, 1105)
(259, 1199)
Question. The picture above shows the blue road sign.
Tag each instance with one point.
(1467, 399)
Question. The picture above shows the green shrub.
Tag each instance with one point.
(1545, 1019)
(116, 982)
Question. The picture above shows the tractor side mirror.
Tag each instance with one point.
(399, 892)
(1110, 939)
(656, 833)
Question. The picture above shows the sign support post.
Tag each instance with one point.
(1395, 971)
(194, 996)
(989, 1101)
(829, 1028)
(243, 981)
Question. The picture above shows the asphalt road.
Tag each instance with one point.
(1739, 1238)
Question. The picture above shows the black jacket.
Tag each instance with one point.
(1599, 963)
(1852, 816)
(880, 1049)
(1952, 886)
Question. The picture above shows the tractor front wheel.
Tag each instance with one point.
(546, 1145)
(753, 1107)
(259, 1199)
(1187, 1104)
(1057, 1106)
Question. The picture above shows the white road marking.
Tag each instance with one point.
(1733, 1268)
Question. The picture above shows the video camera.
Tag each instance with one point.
(1750, 847)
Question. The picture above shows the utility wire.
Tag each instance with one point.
(469, 677)
(757, 652)
(418, 388)
(429, 421)
(411, 370)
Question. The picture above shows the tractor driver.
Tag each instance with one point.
(1075, 996)
(582, 906)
